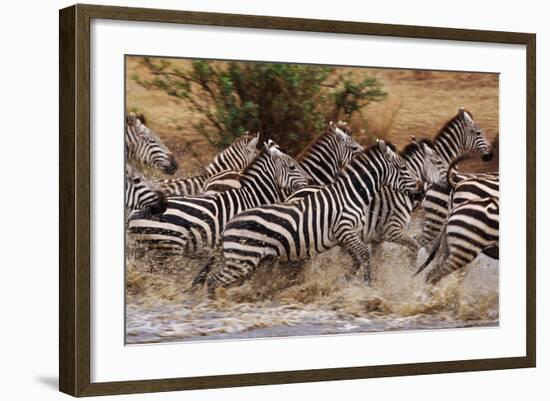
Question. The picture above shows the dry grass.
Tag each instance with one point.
(419, 103)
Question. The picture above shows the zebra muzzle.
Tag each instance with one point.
(171, 167)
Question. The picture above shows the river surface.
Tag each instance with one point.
(322, 302)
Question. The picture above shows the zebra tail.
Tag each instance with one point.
(451, 172)
(202, 275)
(431, 256)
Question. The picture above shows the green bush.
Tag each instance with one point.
(289, 103)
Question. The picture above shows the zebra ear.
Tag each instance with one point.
(381, 145)
(131, 118)
(273, 149)
(340, 134)
(427, 149)
(270, 146)
(461, 112)
(141, 118)
(254, 141)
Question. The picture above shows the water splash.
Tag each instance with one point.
(322, 301)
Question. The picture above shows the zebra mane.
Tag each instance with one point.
(341, 125)
(254, 162)
(372, 149)
(451, 173)
(448, 124)
(414, 145)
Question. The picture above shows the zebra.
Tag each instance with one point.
(322, 159)
(327, 217)
(192, 225)
(140, 194)
(234, 158)
(471, 228)
(460, 136)
(144, 147)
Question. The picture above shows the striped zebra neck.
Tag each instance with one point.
(235, 157)
(183, 186)
(449, 142)
(415, 162)
(319, 160)
(258, 181)
(362, 178)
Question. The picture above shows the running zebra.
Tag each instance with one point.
(234, 158)
(460, 136)
(194, 224)
(144, 147)
(472, 227)
(140, 194)
(322, 159)
(326, 218)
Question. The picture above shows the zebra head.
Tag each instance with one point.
(345, 147)
(424, 162)
(399, 177)
(144, 146)
(289, 176)
(140, 194)
(474, 140)
(236, 156)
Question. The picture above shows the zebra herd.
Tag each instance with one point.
(252, 207)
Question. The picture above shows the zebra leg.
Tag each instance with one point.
(232, 273)
(360, 253)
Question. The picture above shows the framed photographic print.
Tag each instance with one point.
(250, 200)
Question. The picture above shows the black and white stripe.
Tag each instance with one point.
(193, 224)
(235, 157)
(295, 231)
(322, 159)
(472, 227)
(389, 213)
(144, 147)
(459, 137)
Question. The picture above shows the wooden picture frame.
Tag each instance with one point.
(74, 203)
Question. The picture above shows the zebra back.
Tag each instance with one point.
(471, 228)
(222, 182)
(144, 147)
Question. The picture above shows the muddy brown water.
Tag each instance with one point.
(322, 302)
